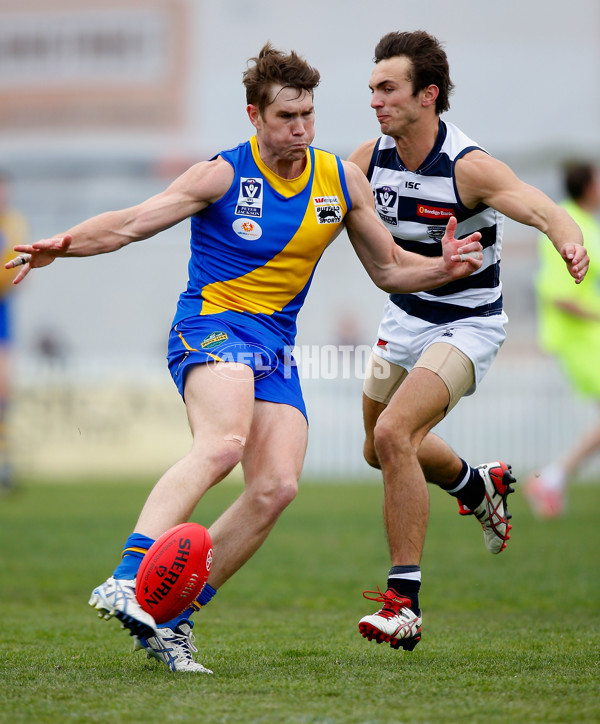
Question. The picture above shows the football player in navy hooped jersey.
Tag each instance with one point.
(262, 214)
(433, 347)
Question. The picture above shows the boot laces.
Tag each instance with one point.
(393, 603)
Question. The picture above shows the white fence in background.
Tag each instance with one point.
(523, 412)
(82, 421)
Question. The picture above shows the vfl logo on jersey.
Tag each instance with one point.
(386, 203)
(250, 198)
(327, 209)
(436, 232)
(247, 229)
(434, 212)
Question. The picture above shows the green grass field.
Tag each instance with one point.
(511, 638)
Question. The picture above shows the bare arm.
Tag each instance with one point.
(575, 310)
(483, 179)
(389, 266)
(362, 155)
(193, 191)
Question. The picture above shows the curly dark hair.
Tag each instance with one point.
(428, 58)
(274, 67)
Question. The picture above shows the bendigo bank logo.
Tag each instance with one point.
(434, 212)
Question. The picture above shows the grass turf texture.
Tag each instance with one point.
(508, 638)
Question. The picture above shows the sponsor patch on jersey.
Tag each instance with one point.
(328, 209)
(247, 228)
(386, 203)
(250, 197)
(213, 339)
(434, 212)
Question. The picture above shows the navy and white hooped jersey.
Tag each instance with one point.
(416, 205)
(254, 251)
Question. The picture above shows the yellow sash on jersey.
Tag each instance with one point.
(269, 288)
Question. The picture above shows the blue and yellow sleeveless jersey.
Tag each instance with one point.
(254, 251)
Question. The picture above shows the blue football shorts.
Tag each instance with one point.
(197, 340)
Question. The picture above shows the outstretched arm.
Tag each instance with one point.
(389, 266)
(193, 191)
(483, 179)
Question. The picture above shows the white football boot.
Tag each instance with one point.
(492, 512)
(116, 597)
(395, 623)
(173, 647)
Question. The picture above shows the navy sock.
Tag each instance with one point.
(136, 547)
(468, 487)
(406, 581)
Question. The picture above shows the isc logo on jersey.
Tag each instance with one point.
(328, 209)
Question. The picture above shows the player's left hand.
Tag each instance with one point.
(40, 253)
(577, 260)
(462, 256)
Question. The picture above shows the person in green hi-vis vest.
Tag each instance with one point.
(569, 329)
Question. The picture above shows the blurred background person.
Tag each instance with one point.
(569, 329)
(13, 230)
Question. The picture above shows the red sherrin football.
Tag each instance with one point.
(174, 571)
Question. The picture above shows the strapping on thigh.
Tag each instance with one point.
(382, 379)
(452, 366)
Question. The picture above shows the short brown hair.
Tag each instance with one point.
(428, 58)
(577, 177)
(274, 67)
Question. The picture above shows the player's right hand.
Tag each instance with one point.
(39, 254)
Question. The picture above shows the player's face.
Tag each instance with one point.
(287, 126)
(392, 95)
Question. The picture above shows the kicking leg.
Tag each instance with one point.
(272, 464)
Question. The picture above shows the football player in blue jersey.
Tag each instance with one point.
(433, 347)
(262, 214)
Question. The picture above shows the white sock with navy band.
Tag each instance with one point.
(406, 581)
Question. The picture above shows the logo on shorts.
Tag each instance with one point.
(328, 209)
(213, 339)
(250, 197)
